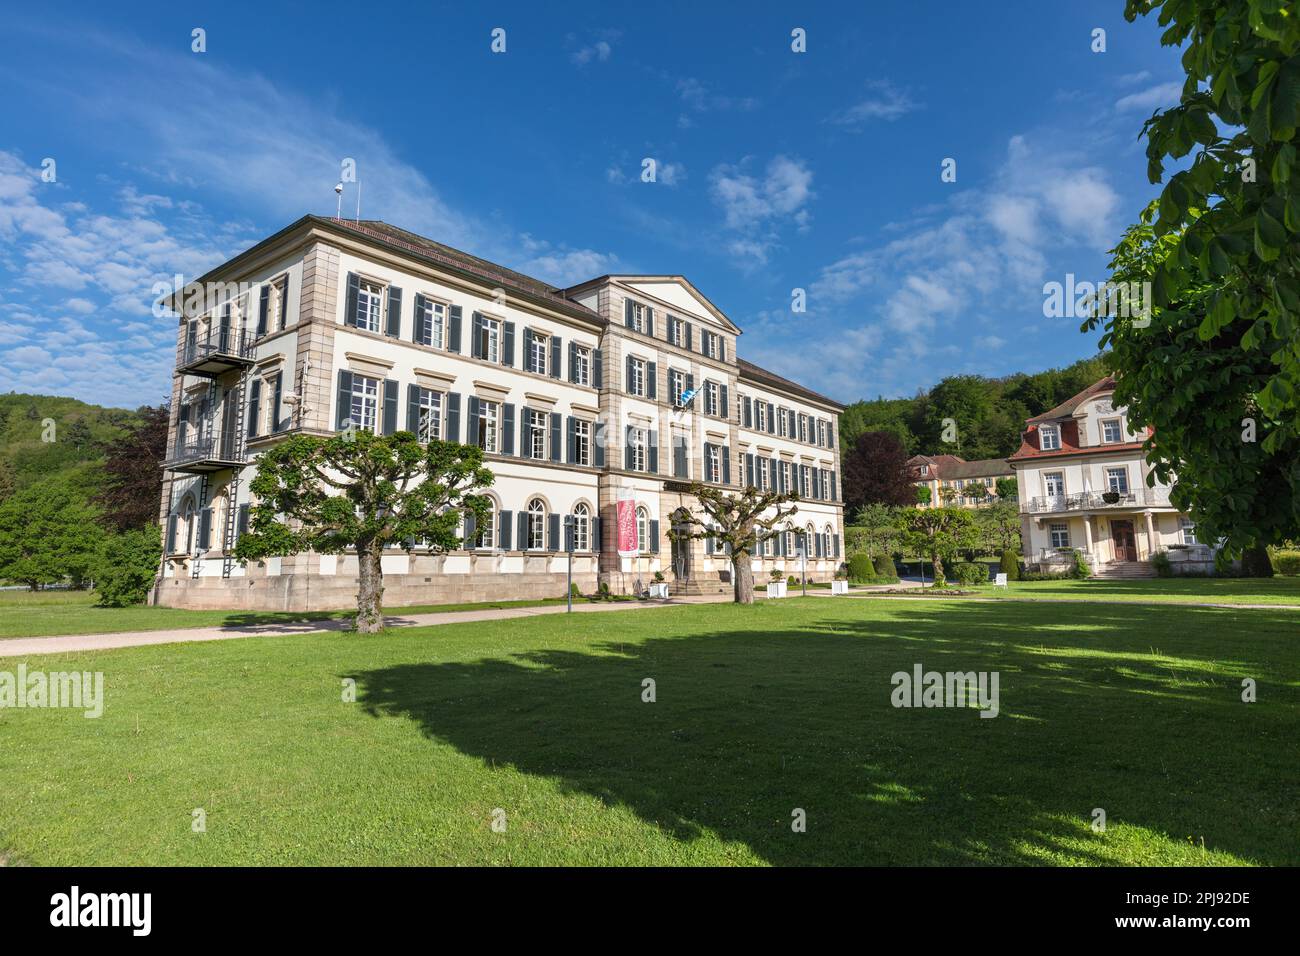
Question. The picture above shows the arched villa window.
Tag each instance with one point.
(643, 529)
(536, 525)
(826, 545)
(581, 528)
(809, 544)
(789, 539)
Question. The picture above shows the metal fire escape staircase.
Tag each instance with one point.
(237, 440)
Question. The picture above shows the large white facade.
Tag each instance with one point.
(1084, 485)
(575, 396)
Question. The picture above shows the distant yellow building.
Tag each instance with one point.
(951, 480)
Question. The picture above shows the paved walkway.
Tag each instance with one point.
(24, 646)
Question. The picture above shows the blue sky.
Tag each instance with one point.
(776, 170)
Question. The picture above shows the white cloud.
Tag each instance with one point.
(985, 248)
(884, 101)
(702, 99)
(1152, 98)
(758, 205)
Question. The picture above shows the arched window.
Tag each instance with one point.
(581, 528)
(826, 543)
(536, 525)
(809, 544)
(643, 529)
(485, 536)
(790, 546)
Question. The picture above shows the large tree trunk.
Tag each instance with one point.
(742, 576)
(370, 592)
(937, 563)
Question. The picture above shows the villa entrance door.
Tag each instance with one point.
(1121, 532)
(681, 548)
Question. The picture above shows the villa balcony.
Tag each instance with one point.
(1098, 501)
(216, 352)
(195, 456)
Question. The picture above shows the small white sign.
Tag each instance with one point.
(1001, 580)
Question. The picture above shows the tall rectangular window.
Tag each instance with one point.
(713, 463)
(638, 317)
(803, 428)
(581, 365)
(636, 380)
(582, 443)
(783, 423)
(763, 479)
(676, 386)
(537, 434)
(365, 402)
(1060, 535)
(676, 331)
(805, 482)
(711, 398)
(1117, 480)
(490, 341)
(1188, 530)
(434, 325)
(537, 345)
(1054, 484)
(1111, 431)
(638, 440)
(370, 305)
(489, 418)
(430, 423)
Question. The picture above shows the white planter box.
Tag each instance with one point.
(839, 587)
(776, 589)
(659, 591)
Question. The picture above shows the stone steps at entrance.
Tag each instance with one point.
(1124, 569)
(695, 588)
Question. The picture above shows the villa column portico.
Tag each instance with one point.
(1151, 534)
(1087, 538)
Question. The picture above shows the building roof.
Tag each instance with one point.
(761, 376)
(480, 268)
(1068, 436)
(950, 466)
(402, 240)
(1068, 407)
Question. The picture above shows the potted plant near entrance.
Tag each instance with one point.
(776, 588)
(840, 585)
(659, 589)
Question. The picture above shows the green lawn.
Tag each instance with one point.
(1215, 590)
(760, 710)
(47, 613)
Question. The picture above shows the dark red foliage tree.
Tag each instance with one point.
(133, 470)
(875, 472)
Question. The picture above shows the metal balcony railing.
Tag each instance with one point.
(217, 350)
(205, 454)
(1097, 501)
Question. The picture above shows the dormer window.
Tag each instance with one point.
(1111, 431)
(925, 469)
(1049, 437)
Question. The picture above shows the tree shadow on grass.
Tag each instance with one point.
(749, 726)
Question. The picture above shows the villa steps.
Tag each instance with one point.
(1124, 570)
(695, 588)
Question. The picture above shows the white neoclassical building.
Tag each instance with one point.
(1083, 485)
(621, 388)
